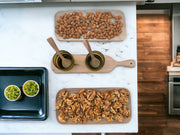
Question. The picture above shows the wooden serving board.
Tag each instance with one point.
(80, 67)
(120, 37)
(103, 121)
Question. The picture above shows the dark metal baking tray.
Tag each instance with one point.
(28, 108)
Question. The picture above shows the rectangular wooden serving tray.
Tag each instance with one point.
(120, 37)
(27, 108)
(103, 121)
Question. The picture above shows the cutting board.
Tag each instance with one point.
(120, 37)
(103, 121)
(80, 67)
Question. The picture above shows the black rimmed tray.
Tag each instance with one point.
(28, 108)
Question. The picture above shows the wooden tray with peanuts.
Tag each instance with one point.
(94, 25)
(93, 106)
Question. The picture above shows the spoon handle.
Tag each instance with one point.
(86, 44)
(54, 46)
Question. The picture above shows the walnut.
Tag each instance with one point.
(118, 117)
(59, 104)
(112, 110)
(74, 107)
(100, 94)
(107, 95)
(109, 117)
(87, 102)
(97, 110)
(106, 105)
(63, 94)
(79, 112)
(83, 120)
(73, 96)
(69, 101)
(114, 98)
(115, 92)
(90, 114)
(81, 95)
(98, 101)
(124, 100)
(117, 105)
(124, 92)
(74, 119)
(98, 118)
(84, 107)
(126, 113)
(105, 114)
(62, 117)
(90, 94)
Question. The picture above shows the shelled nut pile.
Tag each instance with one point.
(99, 25)
(93, 105)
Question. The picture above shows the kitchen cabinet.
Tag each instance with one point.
(107, 0)
(35, 1)
(56, 0)
(20, 1)
(166, 1)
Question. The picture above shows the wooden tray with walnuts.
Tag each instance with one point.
(94, 25)
(93, 106)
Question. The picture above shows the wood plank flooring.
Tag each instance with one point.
(154, 54)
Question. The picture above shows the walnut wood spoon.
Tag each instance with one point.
(94, 61)
(65, 62)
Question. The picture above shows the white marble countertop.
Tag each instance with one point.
(23, 33)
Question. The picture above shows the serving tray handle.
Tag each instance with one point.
(126, 63)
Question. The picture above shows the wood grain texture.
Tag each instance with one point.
(120, 37)
(80, 67)
(171, 131)
(152, 27)
(154, 55)
(152, 18)
(103, 121)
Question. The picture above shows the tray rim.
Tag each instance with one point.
(129, 119)
(46, 95)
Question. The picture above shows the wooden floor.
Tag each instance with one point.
(154, 54)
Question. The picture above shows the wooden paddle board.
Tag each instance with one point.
(80, 67)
